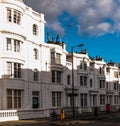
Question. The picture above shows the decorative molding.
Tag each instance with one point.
(8, 32)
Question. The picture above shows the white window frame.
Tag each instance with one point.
(13, 45)
(83, 80)
(56, 98)
(14, 16)
(9, 44)
(56, 76)
(102, 99)
(102, 83)
(14, 70)
(55, 58)
(15, 96)
(84, 99)
(58, 58)
(16, 45)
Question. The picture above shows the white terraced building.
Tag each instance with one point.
(36, 77)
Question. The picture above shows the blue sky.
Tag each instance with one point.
(94, 23)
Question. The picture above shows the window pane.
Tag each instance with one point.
(85, 81)
(35, 54)
(53, 99)
(9, 92)
(18, 18)
(16, 45)
(68, 79)
(58, 98)
(81, 80)
(9, 103)
(85, 66)
(15, 101)
(35, 75)
(91, 83)
(15, 17)
(35, 99)
(52, 57)
(58, 58)
(53, 76)
(9, 15)
(19, 102)
(35, 28)
(9, 69)
(9, 44)
(80, 65)
(17, 70)
(83, 99)
(35, 102)
(58, 76)
(9, 99)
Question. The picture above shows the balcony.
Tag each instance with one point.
(93, 91)
(109, 91)
(68, 91)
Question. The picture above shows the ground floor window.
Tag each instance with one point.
(56, 98)
(116, 99)
(102, 99)
(14, 99)
(35, 99)
(83, 99)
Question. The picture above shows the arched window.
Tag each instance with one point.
(35, 51)
(35, 29)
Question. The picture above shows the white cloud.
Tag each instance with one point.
(56, 26)
(94, 17)
(104, 27)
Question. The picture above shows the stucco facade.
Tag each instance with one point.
(36, 77)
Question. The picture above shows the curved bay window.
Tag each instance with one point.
(14, 16)
(56, 76)
(14, 70)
